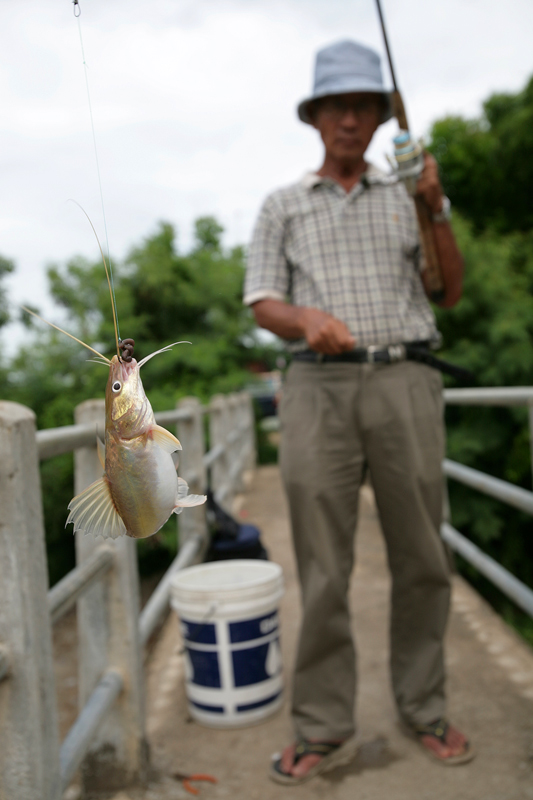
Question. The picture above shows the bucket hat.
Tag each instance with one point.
(342, 67)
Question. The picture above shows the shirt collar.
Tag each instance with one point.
(373, 175)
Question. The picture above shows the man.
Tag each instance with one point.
(335, 268)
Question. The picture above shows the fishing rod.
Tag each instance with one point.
(409, 165)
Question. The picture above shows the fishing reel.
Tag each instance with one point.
(408, 160)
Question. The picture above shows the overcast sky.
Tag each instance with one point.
(194, 107)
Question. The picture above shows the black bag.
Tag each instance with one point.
(230, 539)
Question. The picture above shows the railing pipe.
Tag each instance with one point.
(218, 434)
(530, 419)
(5, 662)
(56, 441)
(501, 490)
(234, 476)
(190, 432)
(216, 452)
(517, 591)
(252, 444)
(173, 416)
(492, 396)
(65, 593)
(79, 738)
(157, 605)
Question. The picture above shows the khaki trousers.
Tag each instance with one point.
(335, 418)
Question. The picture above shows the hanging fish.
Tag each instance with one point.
(140, 488)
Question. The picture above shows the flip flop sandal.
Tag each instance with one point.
(333, 755)
(439, 730)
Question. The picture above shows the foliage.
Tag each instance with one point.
(162, 296)
(490, 331)
(6, 266)
(487, 163)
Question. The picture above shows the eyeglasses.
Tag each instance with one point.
(336, 106)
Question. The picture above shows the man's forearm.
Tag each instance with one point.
(451, 263)
(323, 332)
(281, 318)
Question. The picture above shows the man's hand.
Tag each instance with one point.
(325, 333)
(429, 184)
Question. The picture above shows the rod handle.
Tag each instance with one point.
(398, 110)
(435, 282)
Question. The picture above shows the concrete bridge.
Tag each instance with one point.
(490, 695)
(490, 669)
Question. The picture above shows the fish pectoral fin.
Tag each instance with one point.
(100, 447)
(188, 502)
(93, 511)
(184, 500)
(166, 440)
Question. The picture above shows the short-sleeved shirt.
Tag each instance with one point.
(354, 255)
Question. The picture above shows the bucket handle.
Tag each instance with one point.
(197, 628)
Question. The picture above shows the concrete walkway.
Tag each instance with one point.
(490, 696)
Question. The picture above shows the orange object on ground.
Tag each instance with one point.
(180, 776)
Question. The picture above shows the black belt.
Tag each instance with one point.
(389, 354)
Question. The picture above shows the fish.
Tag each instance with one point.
(140, 488)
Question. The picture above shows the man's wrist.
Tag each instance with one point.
(445, 214)
(301, 319)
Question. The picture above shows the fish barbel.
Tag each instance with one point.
(140, 488)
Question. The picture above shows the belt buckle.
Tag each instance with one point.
(396, 352)
(370, 350)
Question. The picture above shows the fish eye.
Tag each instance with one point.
(117, 386)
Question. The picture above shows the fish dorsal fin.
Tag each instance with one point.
(93, 511)
(100, 447)
(166, 440)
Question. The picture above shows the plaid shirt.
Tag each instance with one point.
(355, 256)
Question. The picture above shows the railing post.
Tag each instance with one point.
(248, 403)
(29, 744)
(108, 634)
(530, 416)
(190, 432)
(218, 432)
(236, 447)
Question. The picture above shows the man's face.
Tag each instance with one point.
(347, 122)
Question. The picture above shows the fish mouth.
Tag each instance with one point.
(128, 368)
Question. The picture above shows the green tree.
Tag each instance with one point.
(490, 331)
(486, 166)
(162, 296)
(6, 266)
(487, 163)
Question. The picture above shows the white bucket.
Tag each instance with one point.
(229, 621)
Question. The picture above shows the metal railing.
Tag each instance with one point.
(107, 739)
(504, 491)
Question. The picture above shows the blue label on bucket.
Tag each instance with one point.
(205, 669)
(256, 664)
(250, 629)
(201, 632)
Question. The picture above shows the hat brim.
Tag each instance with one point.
(304, 106)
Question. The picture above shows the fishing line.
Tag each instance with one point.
(77, 14)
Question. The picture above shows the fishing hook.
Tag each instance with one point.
(77, 9)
